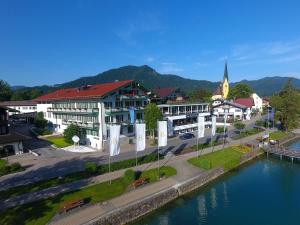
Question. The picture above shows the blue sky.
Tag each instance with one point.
(50, 42)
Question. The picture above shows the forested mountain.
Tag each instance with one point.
(152, 79)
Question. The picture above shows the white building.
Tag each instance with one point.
(183, 117)
(258, 102)
(21, 107)
(233, 110)
(94, 107)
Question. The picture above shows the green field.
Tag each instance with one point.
(58, 142)
(227, 158)
(276, 135)
(40, 212)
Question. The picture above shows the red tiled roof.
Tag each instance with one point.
(90, 91)
(19, 103)
(248, 102)
(164, 92)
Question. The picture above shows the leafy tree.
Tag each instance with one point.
(286, 103)
(5, 91)
(201, 94)
(152, 115)
(240, 90)
(26, 94)
(72, 130)
(239, 126)
(40, 122)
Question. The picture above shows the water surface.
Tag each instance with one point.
(266, 192)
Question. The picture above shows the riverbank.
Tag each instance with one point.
(130, 211)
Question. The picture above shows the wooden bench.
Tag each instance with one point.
(66, 206)
(139, 182)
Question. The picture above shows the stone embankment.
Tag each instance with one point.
(141, 207)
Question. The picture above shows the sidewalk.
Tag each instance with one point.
(184, 171)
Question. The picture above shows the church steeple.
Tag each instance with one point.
(225, 73)
(225, 84)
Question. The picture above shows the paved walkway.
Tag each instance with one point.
(184, 171)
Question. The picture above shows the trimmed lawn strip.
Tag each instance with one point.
(247, 133)
(37, 186)
(59, 142)
(41, 212)
(227, 158)
(277, 135)
(201, 146)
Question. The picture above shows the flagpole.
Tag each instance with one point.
(135, 158)
(158, 159)
(109, 169)
(197, 147)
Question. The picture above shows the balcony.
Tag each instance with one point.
(131, 96)
(89, 125)
(73, 111)
(110, 111)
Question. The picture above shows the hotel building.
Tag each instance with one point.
(94, 107)
(182, 118)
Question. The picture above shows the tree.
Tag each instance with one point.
(201, 94)
(26, 94)
(5, 91)
(72, 130)
(152, 115)
(286, 103)
(240, 90)
(239, 126)
(40, 122)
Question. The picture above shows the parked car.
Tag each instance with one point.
(186, 136)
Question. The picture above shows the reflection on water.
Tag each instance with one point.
(213, 196)
(266, 192)
(294, 146)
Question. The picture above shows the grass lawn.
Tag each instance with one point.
(246, 133)
(40, 212)
(37, 186)
(227, 158)
(59, 142)
(152, 175)
(276, 135)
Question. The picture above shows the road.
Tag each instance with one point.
(59, 163)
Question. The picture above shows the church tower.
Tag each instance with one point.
(225, 85)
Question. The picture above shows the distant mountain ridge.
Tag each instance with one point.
(152, 79)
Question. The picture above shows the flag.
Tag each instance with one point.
(131, 114)
(201, 126)
(114, 140)
(170, 128)
(225, 120)
(162, 133)
(213, 125)
(140, 134)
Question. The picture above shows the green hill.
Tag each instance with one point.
(152, 79)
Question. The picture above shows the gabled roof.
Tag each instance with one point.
(248, 102)
(89, 91)
(164, 92)
(231, 104)
(218, 91)
(19, 103)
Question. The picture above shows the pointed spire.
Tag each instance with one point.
(225, 72)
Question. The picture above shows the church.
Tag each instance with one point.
(223, 89)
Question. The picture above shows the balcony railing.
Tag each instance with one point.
(120, 110)
(73, 110)
(90, 125)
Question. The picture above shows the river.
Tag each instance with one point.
(265, 191)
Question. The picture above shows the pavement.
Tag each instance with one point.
(179, 162)
(55, 162)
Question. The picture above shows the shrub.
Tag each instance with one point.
(71, 131)
(259, 123)
(220, 130)
(129, 176)
(90, 167)
(15, 167)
